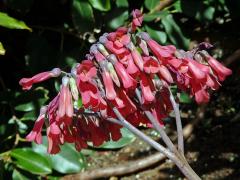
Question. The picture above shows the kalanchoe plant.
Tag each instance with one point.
(125, 81)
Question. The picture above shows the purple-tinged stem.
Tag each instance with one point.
(141, 135)
(176, 157)
(178, 122)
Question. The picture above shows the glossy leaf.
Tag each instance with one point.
(102, 5)
(157, 35)
(127, 138)
(152, 16)
(11, 23)
(119, 20)
(37, 98)
(27, 159)
(151, 4)
(174, 32)
(2, 50)
(67, 161)
(83, 18)
(122, 3)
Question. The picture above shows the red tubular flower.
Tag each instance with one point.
(220, 70)
(120, 38)
(195, 69)
(151, 65)
(65, 108)
(86, 70)
(27, 83)
(108, 79)
(143, 46)
(131, 67)
(36, 133)
(137, 19)
(146, 87)
(161, 52)
(137, 58)
(110, 45)
(165, 74)
(199, 91)
(127, 80)
(115, 132)
(53, 135)
(91, 98)
(108, 83)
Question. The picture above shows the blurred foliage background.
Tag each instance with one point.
(38, 35)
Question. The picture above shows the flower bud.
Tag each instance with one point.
(102, 49)
(73, 88)
(113, 73)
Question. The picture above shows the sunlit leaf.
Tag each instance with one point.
(118, 20)
(122, 3)
(27, 159)
(150, 4)
(2, 50)
(159, 36)
(174, 32)
(102, 5)
(152, 16)
(11, 23)
(67, 161)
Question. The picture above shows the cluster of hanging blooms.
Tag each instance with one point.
(120, 63)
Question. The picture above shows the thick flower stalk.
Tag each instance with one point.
(125, 75)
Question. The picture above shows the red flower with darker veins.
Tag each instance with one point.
(36, 133)
(27, 83)
(137, 19)
(126, 71)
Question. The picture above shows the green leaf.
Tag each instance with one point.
(27, 159)
(28, 116)
(83, 18)
(159, 36)
(152, 16)
(209, 13)
(118, 20)
(11, 23)
(151, 4)
(122, 3)
(67, 161)
(37, 98)
(25, 107)
(102, 5)
(127, 138)
(18, 176)
(2, 50)
(184, 98)
(174, 32)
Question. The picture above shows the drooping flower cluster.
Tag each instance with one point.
(120, 63)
